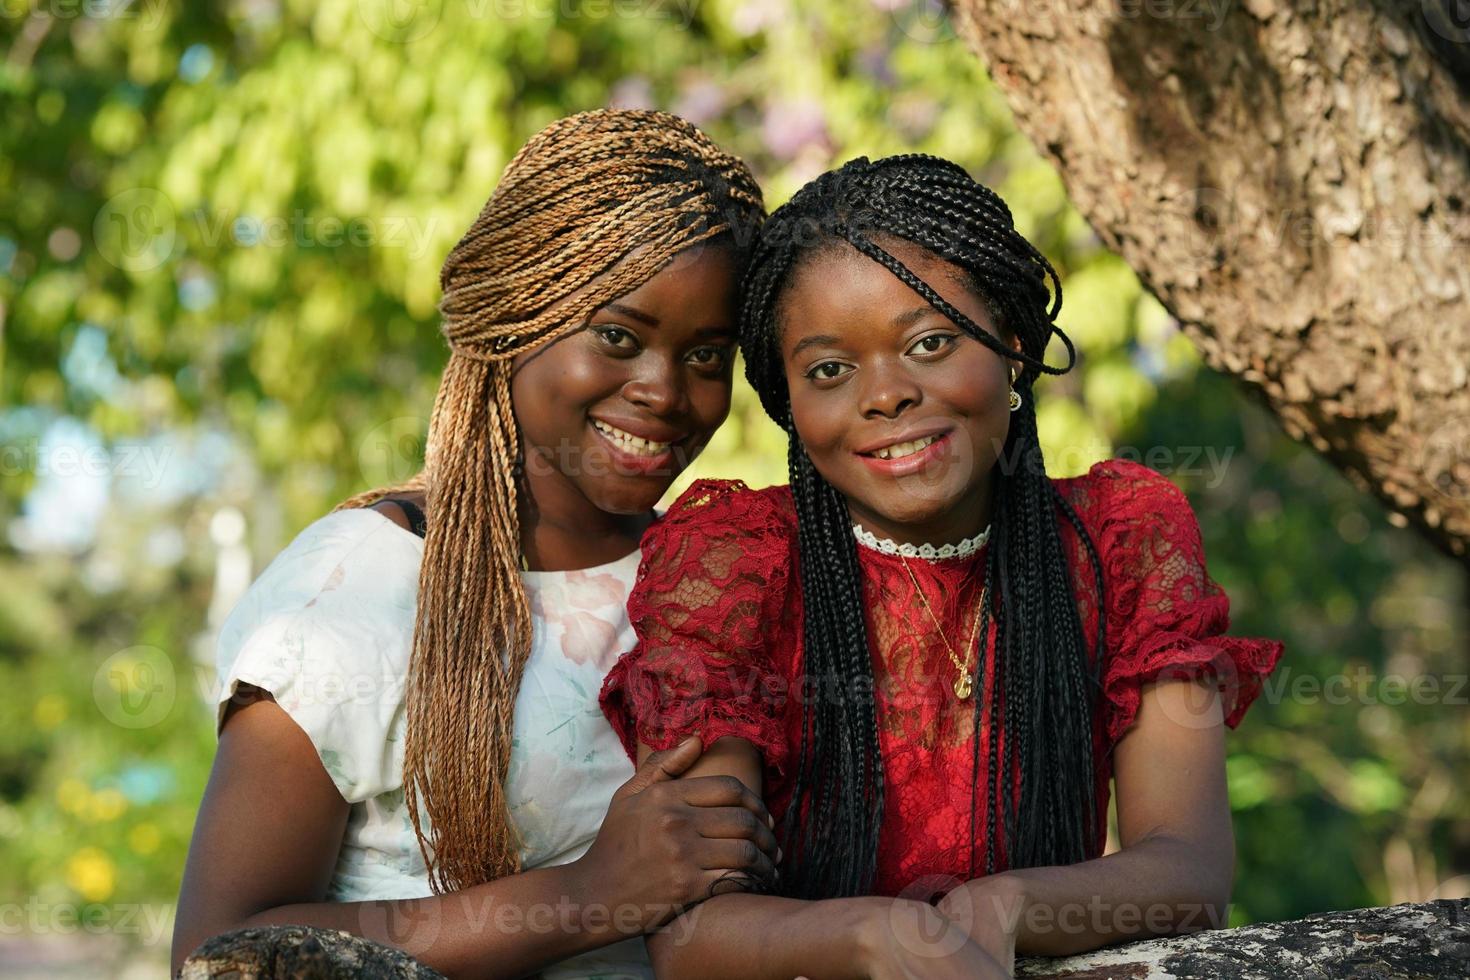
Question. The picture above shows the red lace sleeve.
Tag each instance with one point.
(708, 594)
(1166, 618)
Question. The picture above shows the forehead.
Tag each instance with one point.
(839, 286)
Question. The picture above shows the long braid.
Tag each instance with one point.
(597, 202)
(1044, 702)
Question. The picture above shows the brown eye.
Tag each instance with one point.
(617, 337)
(710, 357)
(932, 344)
(827, 370)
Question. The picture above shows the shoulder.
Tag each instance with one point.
(340, 543)
(729, 509)
(406, 511)
(718, 531)
(347, 573)
(1120, 491)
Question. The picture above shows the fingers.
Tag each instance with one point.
(718, 856)
(715, 791)
(736, 823)
(664, 765)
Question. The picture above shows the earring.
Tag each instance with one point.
(1015, 395)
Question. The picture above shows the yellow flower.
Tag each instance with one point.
(72, 795)
(144, 839)
(50, 711)
(108, 804)
(91, 873)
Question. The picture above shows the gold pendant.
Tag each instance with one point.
(962, 687)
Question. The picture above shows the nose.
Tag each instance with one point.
(888, 392)
(659, 389)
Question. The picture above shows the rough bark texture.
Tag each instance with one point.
(1292, 181)
(300, 953)
(1403, 942)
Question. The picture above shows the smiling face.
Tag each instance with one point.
(611, 414)
(898, 408)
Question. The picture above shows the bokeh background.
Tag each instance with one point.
(221, 226)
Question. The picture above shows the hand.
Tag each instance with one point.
(904, 940)
(989, 911)
(666, 841)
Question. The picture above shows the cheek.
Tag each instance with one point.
(710, 401)
(820, 419)
(977, 385)
(551, 393)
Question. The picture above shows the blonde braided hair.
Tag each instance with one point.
(610, 194)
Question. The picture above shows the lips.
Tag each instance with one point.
(902, 449)
(906, 443)
(910, 456)
(631, 442)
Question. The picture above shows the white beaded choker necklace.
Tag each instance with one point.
(888, 546)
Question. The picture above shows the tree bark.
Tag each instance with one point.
(1292, 181)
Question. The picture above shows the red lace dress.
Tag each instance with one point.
(717, 609)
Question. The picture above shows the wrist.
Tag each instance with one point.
(584, 879)
(880, 926)
(999, 902)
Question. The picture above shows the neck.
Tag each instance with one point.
(562, 530)
(964, 518)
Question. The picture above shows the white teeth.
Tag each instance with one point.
(628, 441)
(904, 448)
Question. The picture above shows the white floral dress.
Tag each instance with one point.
(327, 629)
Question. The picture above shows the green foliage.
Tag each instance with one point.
(220, 233)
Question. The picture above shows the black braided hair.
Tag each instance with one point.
(1047, 684)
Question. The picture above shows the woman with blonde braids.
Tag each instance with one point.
(410, 743)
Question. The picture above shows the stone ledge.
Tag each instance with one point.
(1401, 942)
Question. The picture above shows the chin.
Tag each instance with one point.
(629, 498)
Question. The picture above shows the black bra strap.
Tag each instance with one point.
(416, 521)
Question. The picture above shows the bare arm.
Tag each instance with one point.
(1175, 868)
(272, 822)
(752, 937)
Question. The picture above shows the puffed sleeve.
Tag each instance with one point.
(327, 630)
(1166, 618)
(705, 610)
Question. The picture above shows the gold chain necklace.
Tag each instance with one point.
(963, 686)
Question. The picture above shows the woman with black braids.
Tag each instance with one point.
(931, 656)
